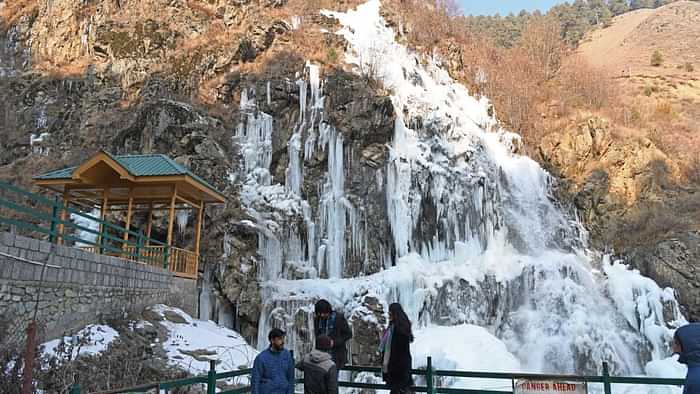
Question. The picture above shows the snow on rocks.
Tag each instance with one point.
(91, 340)
(191, 343)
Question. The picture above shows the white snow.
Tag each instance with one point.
(91, 340)
(86, 222)
(465, 348)
(226, 345)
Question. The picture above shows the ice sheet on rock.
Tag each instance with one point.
(642, 302)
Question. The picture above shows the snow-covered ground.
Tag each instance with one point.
(210, 340)
(190, 343)
(93, 339)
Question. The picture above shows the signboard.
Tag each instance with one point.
(549, 387)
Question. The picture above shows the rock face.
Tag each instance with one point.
(632, 199)
(168, 77)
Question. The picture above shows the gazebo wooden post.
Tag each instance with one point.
(63, 216)
(197, 236)
(103, 216)
(129, 212)
(171, 220)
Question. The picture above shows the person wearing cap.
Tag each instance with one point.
(334, 325)
(273, 368)
(686, 342)
(320, 373)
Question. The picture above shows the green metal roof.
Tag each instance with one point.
(138, 165)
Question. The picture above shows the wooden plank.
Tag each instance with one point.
(128, 216)
(62, 216)
(102, 157)
(188, 201)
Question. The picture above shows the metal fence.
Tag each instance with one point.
(429, 375)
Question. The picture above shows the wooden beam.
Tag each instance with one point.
(190, 202)
(102, 157)
(61, 226)
(128, 217)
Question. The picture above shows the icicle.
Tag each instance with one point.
(269, 98)
(302, 100)
(182, 217)
(294, 170)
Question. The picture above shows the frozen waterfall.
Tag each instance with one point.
(478, 239)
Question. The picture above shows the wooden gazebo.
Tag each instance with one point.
(138, 183)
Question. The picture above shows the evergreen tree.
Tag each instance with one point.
(618, 7)
(600, 12)
(637, 4)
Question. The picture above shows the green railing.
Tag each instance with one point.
(429, 374)
(35, 213)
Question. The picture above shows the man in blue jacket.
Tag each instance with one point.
(273, 369)
(686, 342)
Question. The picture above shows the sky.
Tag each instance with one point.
(490, 7)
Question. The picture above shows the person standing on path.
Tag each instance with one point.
(273, 369)
(332, 324)
(395, 348)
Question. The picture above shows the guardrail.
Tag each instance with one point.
(429, 374)
(37, 214)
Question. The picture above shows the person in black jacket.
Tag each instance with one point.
(332, 324)
(395, 347)
(320, 373)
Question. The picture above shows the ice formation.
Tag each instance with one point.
(480, 245)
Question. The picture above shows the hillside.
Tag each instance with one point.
(628, 44)
(634, 163)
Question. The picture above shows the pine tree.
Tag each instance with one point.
(600, 12)
(618, 7)
(637, 4)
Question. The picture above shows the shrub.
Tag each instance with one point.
(689, 67)
(331, 55)
(648, 90)
(657, 59)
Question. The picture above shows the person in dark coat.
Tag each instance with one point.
(332, 324)
(686, 342)
(320, 373)
(395, 348)
(273, 369)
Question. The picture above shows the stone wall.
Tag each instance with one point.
(77, 288)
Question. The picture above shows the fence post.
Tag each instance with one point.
(429, 376)
(606, 379)
(54, 219)
(211, 378)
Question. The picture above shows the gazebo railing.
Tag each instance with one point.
(36, 216)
